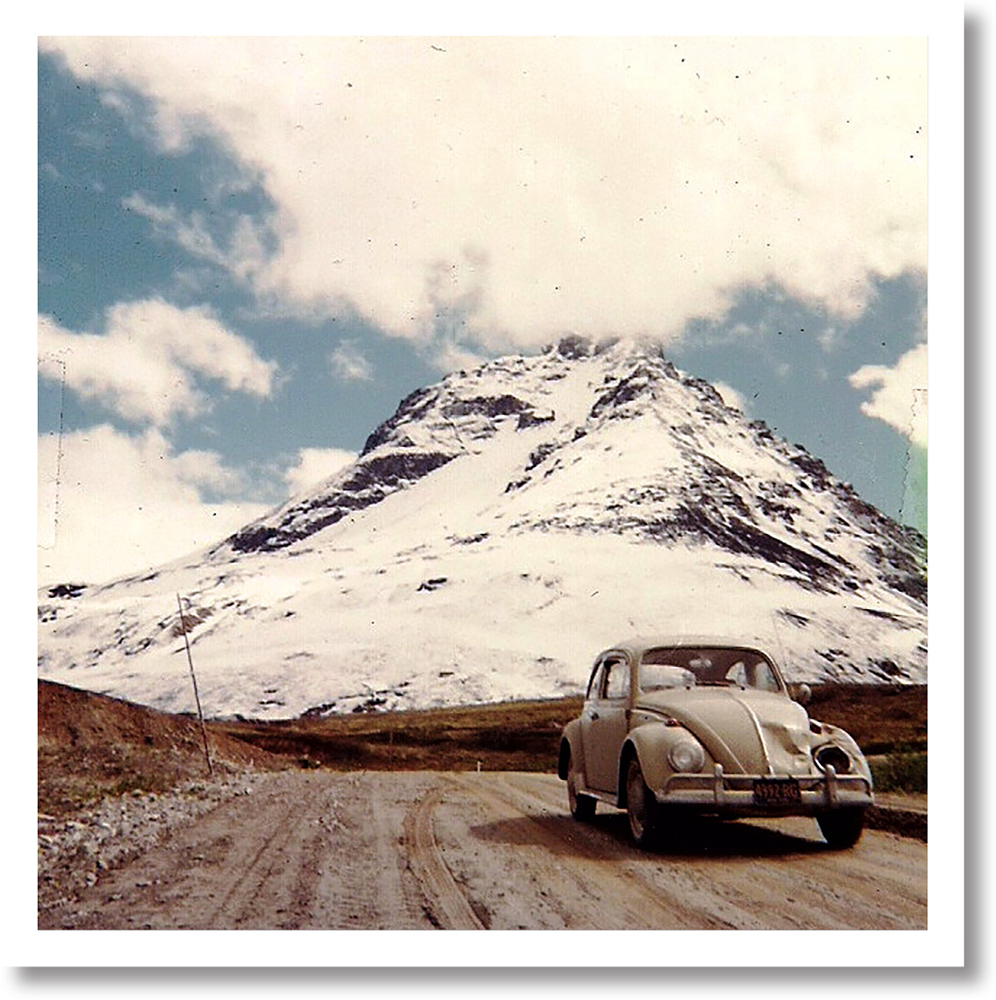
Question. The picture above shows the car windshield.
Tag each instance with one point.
(685, 667)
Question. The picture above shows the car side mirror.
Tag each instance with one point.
(802, 693)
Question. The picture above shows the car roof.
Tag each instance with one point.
(640, 644)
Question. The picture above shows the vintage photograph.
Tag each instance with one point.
(482, 482)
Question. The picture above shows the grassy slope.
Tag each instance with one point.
(525, 735)
(90, 745)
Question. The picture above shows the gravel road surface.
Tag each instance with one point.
(399, 850)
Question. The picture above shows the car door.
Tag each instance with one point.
(605, 721)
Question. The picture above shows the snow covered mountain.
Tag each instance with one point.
(498, 531)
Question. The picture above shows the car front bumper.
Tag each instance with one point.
(737, 795)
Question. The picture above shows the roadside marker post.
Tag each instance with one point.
(193, 677)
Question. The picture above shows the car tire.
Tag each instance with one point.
(641, 807)
(582, 806)
(841, 828)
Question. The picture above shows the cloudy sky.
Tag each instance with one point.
(251, 249)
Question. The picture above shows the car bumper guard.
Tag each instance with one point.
(734, 793)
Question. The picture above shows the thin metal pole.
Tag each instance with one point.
(197, 697)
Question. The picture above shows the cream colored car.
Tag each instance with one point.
(675, 727)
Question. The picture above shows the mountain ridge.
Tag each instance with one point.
(547, 505)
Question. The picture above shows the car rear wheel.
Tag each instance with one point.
(641, 806)
(842, 828)
(582, 806)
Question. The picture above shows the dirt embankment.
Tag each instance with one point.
(90, 746)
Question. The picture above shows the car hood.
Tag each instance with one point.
(748, 732)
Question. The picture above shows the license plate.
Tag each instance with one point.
(776, 792)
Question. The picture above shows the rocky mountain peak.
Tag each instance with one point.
(436, 424)
(705, 474)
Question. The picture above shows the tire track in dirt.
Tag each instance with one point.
(367, 880)
(446, 904)
(242, 899)
(400, 900)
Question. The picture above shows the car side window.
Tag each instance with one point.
(738, 674)
(764, 679)
(592, 691)
(752, 674)
(615, 683)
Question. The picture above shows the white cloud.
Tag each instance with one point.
(114, 504)
(531, 185)
(900, 393)
(830, 338)
(450, 355)
(315, 465)
(349, 363)
(243, 258)
(731, 397)
(147, 364)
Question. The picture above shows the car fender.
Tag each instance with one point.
(571, 746)
(834, 734)
(649, 743)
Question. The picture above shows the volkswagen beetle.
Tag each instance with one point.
(676, 727)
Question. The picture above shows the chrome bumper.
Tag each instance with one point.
(733, 794)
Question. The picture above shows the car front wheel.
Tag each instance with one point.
(641, 806)
(582, 806)
(842, 828)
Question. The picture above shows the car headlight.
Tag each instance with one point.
(686, 755)
(833, 756)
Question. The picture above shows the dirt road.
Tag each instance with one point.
(398, 850)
